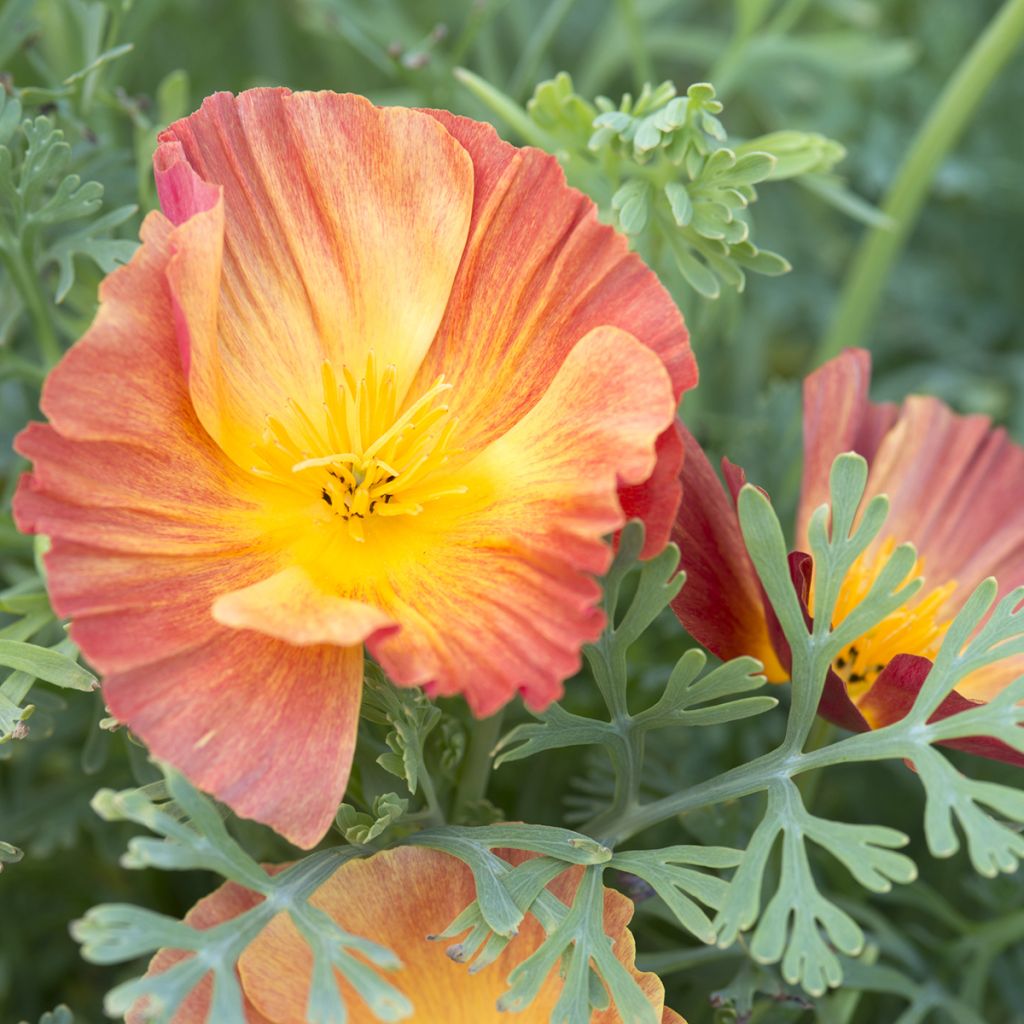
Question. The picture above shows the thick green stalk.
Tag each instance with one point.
(19, 265)
(878, 250)
(476, 769)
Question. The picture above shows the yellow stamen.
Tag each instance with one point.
(363, 457)
(917, 628)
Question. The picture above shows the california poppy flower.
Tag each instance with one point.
(398, 898)
(956, 491)
(374, 377)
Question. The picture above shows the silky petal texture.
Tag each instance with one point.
(837, 417)
(721, 604)
(398, 898)
(149, 524)
(504, 599)
(290, 607)
(539, 273)
(656, 501)
(266, 727)
(223, 904)
(317, 250)
(955, 487)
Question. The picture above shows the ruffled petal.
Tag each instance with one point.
(264, 726)
(721, 604)
(398, 898)
(504, 598)
(539, 273)
(150, 524)
(289, 606)
(329, 205)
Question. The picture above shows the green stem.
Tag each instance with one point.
(476, 769)
(879, 248)
(822, 734)
(18, 263)
(435, 812)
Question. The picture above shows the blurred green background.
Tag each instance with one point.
(862, 72)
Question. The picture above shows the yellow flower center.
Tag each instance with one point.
(363, 454)
(915, 629)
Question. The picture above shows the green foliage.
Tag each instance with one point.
(85, 85)
(28, 662)
(660, 169)
(194, 837)
(38, 199)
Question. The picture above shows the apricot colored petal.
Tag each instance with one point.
(223, 904)
(150, 523)
(956, 491)
(398, 898)
(539, 273)
(837, 418)
(721, 604)
(329, 207)
(266, 727)
(290, 607)
(504, 597)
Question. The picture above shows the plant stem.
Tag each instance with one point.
(821, 735)
(19, 265)
(879, 248)
(476, 769)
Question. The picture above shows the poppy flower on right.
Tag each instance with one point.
(956, 491)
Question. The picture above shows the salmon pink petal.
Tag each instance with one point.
(837, 418)
(150, 523)
(721, 604)
(267, 727)
(289, 606)
(539, 273)
(317, 253)
(955, 488)
(398, 898)
(505, 597)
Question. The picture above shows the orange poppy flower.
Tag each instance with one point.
(398, 898)
(374, 377)
(956, 491)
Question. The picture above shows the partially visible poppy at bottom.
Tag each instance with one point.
(398, 898)
(956, 492)
(375, 377)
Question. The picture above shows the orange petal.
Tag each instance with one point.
(266, 727)
(837, 418)
(540, 273)
(397, 898)
(223, 904)
(330, 207)
(150, 524)
(289, 606)
(501, 599)
(955, 488)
